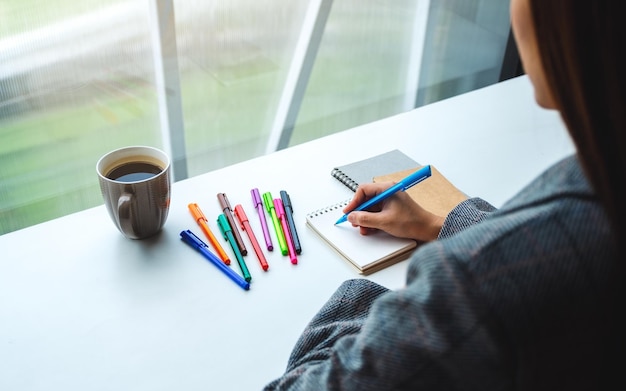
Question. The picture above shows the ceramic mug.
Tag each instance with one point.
(135, 184)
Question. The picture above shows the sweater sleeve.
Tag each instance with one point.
(464, 215)
(430, 335)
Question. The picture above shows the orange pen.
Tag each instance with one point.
(202, 222)
(245, 225)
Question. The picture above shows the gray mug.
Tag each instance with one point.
(135, 184)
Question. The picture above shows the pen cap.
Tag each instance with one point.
(278, 204)
(267, 200)
(196, 212)
(191, 239)
(256, 197)
(241, 215)
(286, 200)
(223, 224)
(223, 200)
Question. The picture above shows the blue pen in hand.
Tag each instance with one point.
(227, 231)
(404, 184)
(191, 239)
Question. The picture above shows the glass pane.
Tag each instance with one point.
(464, 47)
(233, 58)
(76, 80)
(361, 68)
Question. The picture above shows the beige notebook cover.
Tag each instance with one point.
(367, 253)
(435, 194)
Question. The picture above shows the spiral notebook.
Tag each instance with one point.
(367, 253)
(437, 194)
(365, 170)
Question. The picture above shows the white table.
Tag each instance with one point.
(83, 308)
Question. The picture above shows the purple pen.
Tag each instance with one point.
(258, 205)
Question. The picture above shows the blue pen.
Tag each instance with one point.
(191, 239)
(404, 184)
(227, 231)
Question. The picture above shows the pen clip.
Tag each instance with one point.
(224, 226)
(416, 177)
(241, 216)
(256, 197)
(267, 200)
(196, 212)
(191, 238)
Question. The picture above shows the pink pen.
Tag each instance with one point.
(280, 211)
(258, 205)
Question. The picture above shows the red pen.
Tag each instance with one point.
(245, 225)
(280, 211)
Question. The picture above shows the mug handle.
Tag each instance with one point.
(125, 214)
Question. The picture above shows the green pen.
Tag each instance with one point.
(227, 231)
(268, 201)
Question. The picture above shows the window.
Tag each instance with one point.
(76, 80)
(215, 82)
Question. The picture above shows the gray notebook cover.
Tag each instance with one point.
(365, 170)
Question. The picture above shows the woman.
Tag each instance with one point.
(525, 297)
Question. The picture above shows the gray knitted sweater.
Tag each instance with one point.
(504, 299)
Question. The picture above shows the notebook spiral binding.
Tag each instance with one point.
(343, 178)
(331, 208)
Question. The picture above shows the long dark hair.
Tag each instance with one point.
(581, 45)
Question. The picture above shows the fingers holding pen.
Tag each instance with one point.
(365, 192)
(398, 215)
(375, 218)
(389, 216)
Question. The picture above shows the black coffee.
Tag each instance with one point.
(133, 172)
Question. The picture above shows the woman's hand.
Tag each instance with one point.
(398, 215)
